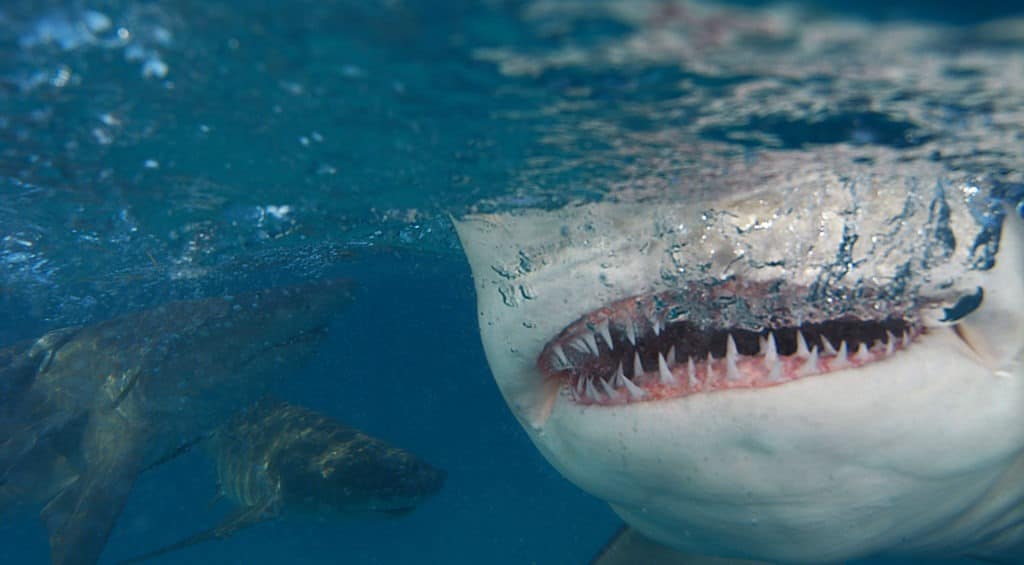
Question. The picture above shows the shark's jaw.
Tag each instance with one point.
(728, 440)
(654, 347)
(913, 443)
(896, 456)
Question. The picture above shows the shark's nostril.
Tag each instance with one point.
(964, 306)
(645, 348)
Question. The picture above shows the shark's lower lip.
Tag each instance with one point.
(642, 349)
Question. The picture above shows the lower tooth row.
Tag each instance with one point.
(585, 389)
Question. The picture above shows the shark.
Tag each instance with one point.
(91, 407)
(826, 364)
(278, 459)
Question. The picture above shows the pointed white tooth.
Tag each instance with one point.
(638, 369)
(664, 374)
(671, 357)
(890, 342)
(774, 369)
(810, 367)
(634, 391)
(710, 366)
(691, 374)
(730, 348)
(771, 357)
(841, 361)
(611, 392)
(801, 346)
(579, 385)
(560, 354)
(606, 333)
(631, 333)
(579, 345)
(620, 376)
(591, 342)
(657, 325)
(829, 349)
(592, 392)
(762, 344)
(771, 351)
(556, 364)
(732, 372)
(905, 339)
(862, 354)
(731, 356)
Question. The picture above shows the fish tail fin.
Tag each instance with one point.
(244, 518)
(82, 515)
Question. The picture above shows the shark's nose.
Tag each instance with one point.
(426, 479)
(326, 295)
(417, 478)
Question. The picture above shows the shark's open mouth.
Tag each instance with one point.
(655, 347)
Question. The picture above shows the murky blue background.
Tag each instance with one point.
(152, 151)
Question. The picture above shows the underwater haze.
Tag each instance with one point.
(160, 151)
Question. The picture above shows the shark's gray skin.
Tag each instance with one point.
(279, 459)
(107, 400)
(786, 375)
(19, 365)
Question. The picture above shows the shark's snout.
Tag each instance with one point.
(279, 325)
(404, 484)
(423, 480)
(387, 477)
(361, 476)
(304, 308)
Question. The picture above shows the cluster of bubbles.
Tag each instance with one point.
(140, 33)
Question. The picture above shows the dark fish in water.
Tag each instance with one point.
(91, 407)
(277, 459)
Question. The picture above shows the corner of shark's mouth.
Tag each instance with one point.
(644, 348)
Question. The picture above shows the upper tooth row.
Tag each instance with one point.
(587, 343)
(585, 384)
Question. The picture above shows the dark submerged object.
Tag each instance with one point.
(87, 409)
(277, 458)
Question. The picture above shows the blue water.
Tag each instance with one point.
(157, 151)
